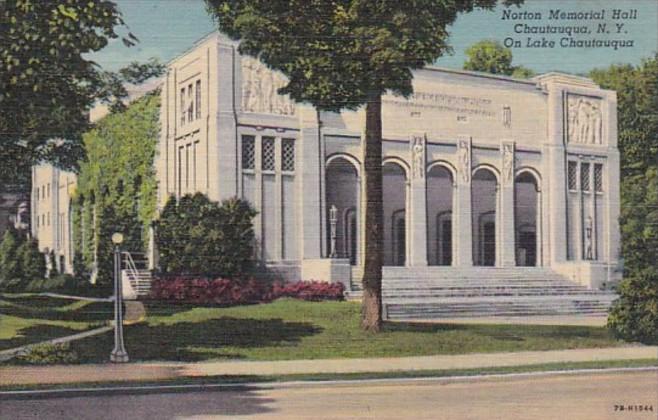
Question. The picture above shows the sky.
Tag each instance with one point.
(167, 28)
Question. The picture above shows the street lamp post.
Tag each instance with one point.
(119, 354)
(333, 221)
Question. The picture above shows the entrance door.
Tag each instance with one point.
(399, 238)
(489, 244)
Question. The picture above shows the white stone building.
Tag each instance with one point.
(483, 174)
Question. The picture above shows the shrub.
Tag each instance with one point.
(227, 292)
(33, 262)
(198, 237)
(634, 316)
(48, 354)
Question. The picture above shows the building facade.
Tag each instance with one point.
(480, 171)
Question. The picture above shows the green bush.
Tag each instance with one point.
(10, 267)
(634, 316)
(48, 354)
(196, 236)
(33, 262)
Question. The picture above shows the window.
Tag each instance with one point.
(180, 170)
(48, 190)
(584, 177)
(598, 177)
(48, 218)
(248, 152)
(187, 168)
(190, 104)
(38, 220)
(197, 98)
(573, 175)
(268, 154)
(182, 106)
(288, 155)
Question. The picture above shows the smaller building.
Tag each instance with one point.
(52, 189)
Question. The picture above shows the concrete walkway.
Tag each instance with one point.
(28, 375)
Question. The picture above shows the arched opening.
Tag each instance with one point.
(526, 205)
(342, 189)
(439, 216)
(394, 201)
(484, 192)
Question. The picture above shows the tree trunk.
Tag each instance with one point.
(371, 311)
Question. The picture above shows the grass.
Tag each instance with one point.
(251, 379)
(28, 318)
(290, 329)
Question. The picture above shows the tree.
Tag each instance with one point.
(634, 315)
(345, 54)
(489, 56)
(47, 85)
(10, 268)
(196, 236)
(33, 262)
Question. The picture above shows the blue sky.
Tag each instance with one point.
(168, 27)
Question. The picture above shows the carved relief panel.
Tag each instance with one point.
(418, 156)
(584, 120)
(464, 157)
(259, 89)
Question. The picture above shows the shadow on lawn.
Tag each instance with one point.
(179, 341)
(36, 334)
(91, 312)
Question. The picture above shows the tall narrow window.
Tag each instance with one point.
(584, 177)
(187, 168)
(573, 175)
(268, 154)
(248, 152)
(182, 106)
(197, 98)
(598, 177)
(195, 146)
(288, 155)
(180, 170)
(190, 104)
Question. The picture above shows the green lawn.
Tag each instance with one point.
(28, 318)
(290, 329)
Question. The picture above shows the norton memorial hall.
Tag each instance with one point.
(482, 174)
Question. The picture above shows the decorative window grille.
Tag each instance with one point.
(288, 155)
(248, 152)
(182, 106)
(598, 177)
(197, 97)
(268, 154)
(584, 177)
(573, 175)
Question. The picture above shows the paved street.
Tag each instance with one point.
(582, 396)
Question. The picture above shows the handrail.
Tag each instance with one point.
(130, 265)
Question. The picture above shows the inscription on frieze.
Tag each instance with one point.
(465, 105)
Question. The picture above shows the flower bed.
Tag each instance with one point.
(227, 292)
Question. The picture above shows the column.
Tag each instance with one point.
(222, 172)
(417, 202)
(310, 200)
(556, 171)
(506, 218)
(463, 219)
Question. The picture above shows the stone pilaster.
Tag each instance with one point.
(310, 198)
(506, 218)
(222, 175)
(463, 219)
(418, 208)
(557, 202)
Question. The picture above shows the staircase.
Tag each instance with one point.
(449, 292)
(139, 277)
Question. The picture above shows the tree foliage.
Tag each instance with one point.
(196, 236)
(33, 262)
(47, 83)
(116, 186)
(344, 54)
(489, 56)
(10, 267)
(635, 315)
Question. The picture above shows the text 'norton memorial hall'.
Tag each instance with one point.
(486, 178)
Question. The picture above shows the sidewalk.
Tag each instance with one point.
(28, 375)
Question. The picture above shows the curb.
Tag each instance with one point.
(442, 380)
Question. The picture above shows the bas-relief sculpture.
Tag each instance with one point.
(465, 160)
(418, 156)
(508, 161)
(259, 89)
(584, 119)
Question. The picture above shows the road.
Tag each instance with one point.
(583, 396)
